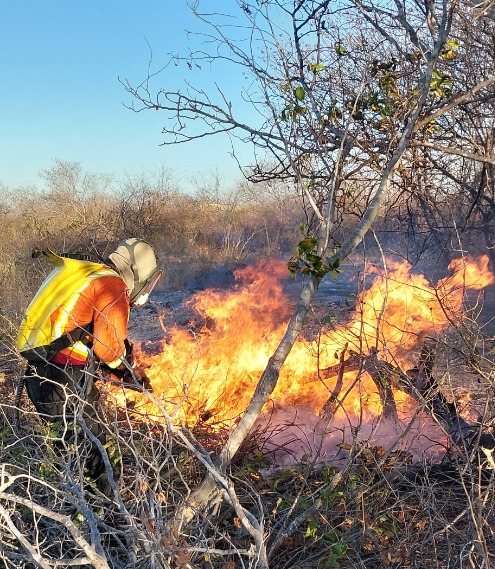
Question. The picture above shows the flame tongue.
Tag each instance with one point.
(215, 370)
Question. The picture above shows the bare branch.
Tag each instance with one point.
(455, 151)
(97, 560)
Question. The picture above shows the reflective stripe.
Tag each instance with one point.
(79, 350)
(115, 363)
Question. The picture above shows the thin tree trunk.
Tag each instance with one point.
(207, 490)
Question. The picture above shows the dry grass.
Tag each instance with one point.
(369, 511)
(366, 512)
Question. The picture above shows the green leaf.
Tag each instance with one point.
(453, 43)
(339, 548)
(293, 113)
(308, 244)
(432, 126)
(299, 93)
(330, 536)
(316, 67)
(311, 530)
(307, 262)
(440, 84)
(450, 49)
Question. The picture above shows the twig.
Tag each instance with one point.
(96, 560)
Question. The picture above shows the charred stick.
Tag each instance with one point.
(424, 388)
(383, 375)
(353, 363)
(418, 382)
(328, 410)
(432, 400)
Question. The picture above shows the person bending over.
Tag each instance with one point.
(75, 329)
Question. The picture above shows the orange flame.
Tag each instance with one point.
(213, 372)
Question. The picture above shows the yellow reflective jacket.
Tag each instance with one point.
(78, 301)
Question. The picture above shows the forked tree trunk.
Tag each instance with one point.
(208, 489)
(202, 495)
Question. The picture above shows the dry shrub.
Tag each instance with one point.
(367, 511)
(77, 211)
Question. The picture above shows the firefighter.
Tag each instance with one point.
(75, 330)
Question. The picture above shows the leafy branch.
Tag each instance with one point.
(307, 261)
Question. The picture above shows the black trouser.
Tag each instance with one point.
(57, 392)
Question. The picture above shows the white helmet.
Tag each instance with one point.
(137, 264)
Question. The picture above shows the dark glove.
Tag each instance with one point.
(142, 378)
(128, 377)
(129, 352)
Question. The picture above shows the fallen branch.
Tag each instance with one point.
(330, 407)
(383, 374)
(419, 383)
(96, 560)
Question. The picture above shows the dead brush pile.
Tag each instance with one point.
(373, 510)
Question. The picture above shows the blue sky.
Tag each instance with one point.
(60, 61)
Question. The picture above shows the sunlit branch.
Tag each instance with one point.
(456, 101)
(455, 151)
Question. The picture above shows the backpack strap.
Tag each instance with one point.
(47, 352)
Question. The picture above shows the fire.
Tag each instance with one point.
(212, 372)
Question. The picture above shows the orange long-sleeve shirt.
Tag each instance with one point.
(75, 294)
(104, 302)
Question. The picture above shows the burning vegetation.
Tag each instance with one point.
(353, 372)
(361, 418)
(361, 455)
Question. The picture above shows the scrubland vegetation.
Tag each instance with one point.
(313, 514)
(192, 229)
(372, 132)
